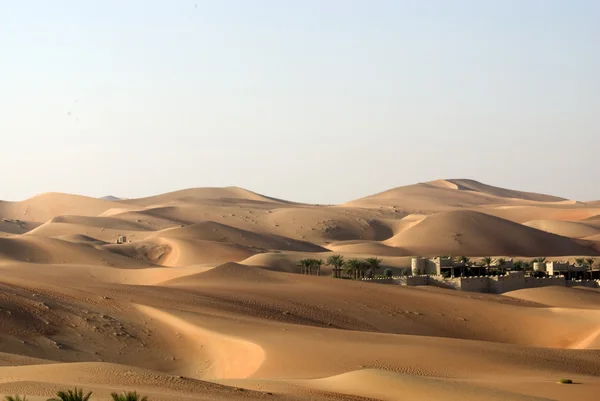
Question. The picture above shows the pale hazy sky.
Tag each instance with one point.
(317, 101)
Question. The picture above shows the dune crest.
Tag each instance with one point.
(231, 357)
(478, 234)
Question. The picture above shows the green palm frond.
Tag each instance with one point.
(374, 263)
(335, 261)
(128, 396)
(71, 395)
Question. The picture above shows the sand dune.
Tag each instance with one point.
(444, 195)
(592, 218)
(107, 229)
(229, 194)
(523, 214)
(368, 248)
(231, 357)
(44, 380)
(111, 198)
(475, 186)
(231, 273)
(559, 296)
(44, 207)
(213, 231)
(424, 197)
(326, 225)
(82, 239)
(8, 226)
(54, 251)
(593, 238)
(385, 385)
(187, 252)
(204, 300)
(478, 234)
(566, 228)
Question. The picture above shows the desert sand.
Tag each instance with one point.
(204, 300)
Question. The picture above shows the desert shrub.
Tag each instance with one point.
(15, 398)
(129, 396)
(71, 395)
(566, 381)
(388, 273)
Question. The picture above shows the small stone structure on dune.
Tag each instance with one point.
(121, 239)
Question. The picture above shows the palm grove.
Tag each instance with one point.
(351, 268)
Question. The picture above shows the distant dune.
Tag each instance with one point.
(478, 187)
(444, 195)
(478, 234)
(111, 198)
(523, 214)
(44, 207)
(213, 231)
(203, 194)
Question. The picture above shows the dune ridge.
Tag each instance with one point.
(479, 234)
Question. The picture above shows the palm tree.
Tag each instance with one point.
(487, 263)
(373, 263)
(337, 262)
(465, 261)
(353, 267)
(15, 398)
(71, 395)
(363, 267)
(501, 262)
(128, 396)
(317, 263)
(590, 265)
(580, 262)
(305, 265)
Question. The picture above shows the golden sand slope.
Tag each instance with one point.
(203, 194)
(44, 207)
(559, 296)
(170, 314)
(573, 229)
(478, 187)
(523, 214)
(478, 234)
(449, 195)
